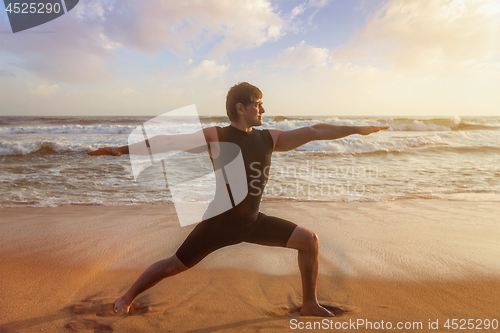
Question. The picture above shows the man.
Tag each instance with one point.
(244, 222)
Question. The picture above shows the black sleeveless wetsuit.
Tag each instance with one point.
(243, 222)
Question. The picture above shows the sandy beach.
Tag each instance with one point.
(407, 261)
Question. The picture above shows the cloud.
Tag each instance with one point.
(294, 21)
(360, 7)
(128, 91)
(303, 7)
(6, 73)
(85, 39)
(74, 53)
(208, 69)
(432, 36)
(45, 91)
(301, 56)
(181, 26)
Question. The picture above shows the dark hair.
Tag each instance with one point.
(243, 93)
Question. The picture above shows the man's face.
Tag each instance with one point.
(253, 112)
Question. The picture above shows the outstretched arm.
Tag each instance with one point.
(162, 144)
(288, 140)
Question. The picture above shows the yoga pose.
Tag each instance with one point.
(244, 222)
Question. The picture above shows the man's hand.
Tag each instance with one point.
(113, 151)
(365, 130)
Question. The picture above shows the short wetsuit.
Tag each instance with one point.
(244, 222)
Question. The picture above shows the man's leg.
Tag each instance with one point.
(306, 242)
(151, 276)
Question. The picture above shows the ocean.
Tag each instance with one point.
(44, 162)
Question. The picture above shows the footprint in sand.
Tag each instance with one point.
(87, 324)
(101, 309)
(139, 310)
(98, 308)
(337, 309)
(340, 309)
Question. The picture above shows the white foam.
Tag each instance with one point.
(398, 124)
(363, 145)
(28, 147)
(170, 128)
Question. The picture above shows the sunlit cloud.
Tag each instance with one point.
(431, 37)
(45, 91)
(208, 69)
(301, 56)
(117, 57)
(75, 53)
(182, 26)
(86, 39)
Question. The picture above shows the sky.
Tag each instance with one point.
(309, 57)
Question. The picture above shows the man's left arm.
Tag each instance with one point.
(288, 140)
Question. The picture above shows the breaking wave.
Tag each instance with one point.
(127, 125)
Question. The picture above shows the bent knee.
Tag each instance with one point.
(303, 240)
(313, 242)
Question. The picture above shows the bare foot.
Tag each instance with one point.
(315, 310)
(121, 306)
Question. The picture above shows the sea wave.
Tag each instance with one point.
(437, 124)
(341, 146)
(41, 147)
(154, 129)
(69, 129)
(125, 125)
(396, 124)
(353, 145)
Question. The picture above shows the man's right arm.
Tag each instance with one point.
(162, 144)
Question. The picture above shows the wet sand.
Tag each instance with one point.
(401, 261)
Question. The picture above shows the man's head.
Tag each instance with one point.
(243, 93)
